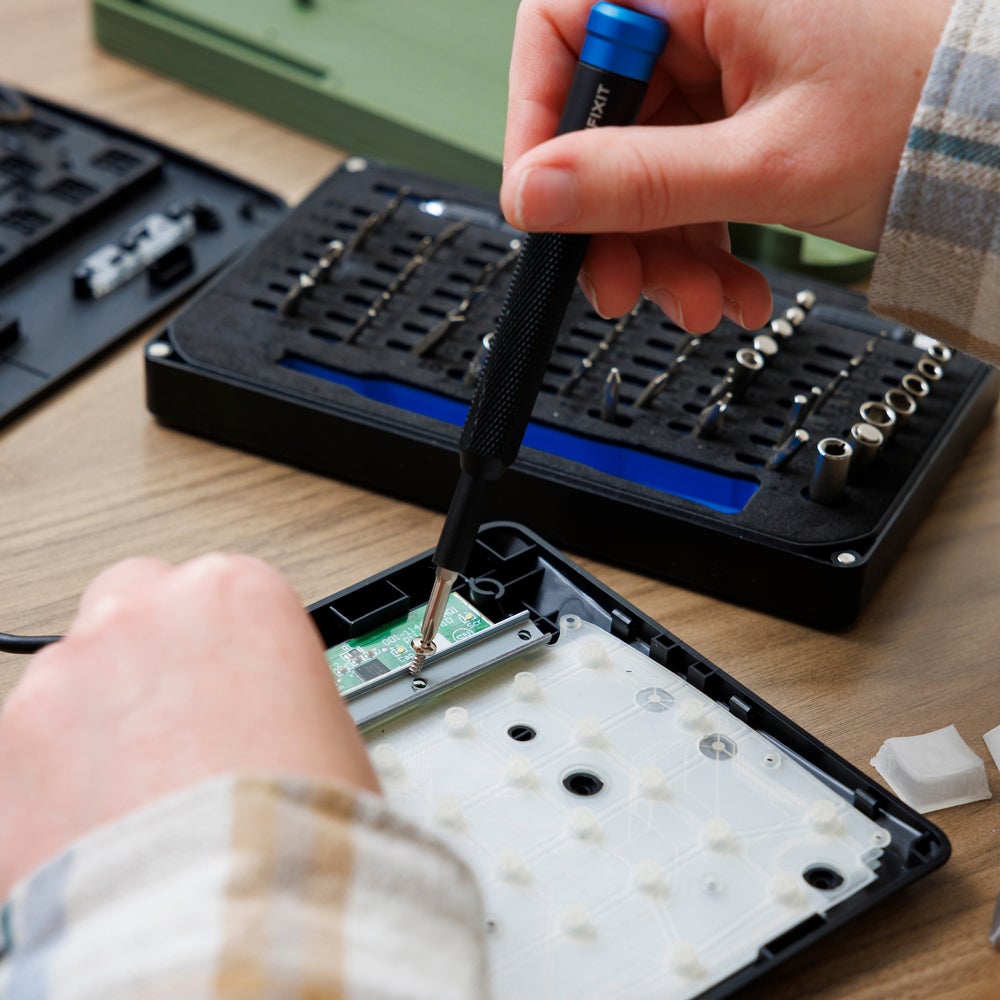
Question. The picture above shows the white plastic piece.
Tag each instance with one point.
(511, 868)
(387, 762)
(932, 771)
(576, 922)
(684, 959)
(881, 838)
(692, 715)
(718, 835)
(448, 814)
(618, 885)
(520, 772)
(526, 688)
(648, 877)
(653, 783)
(992, 741)
(588, 732)
(593, 655)
(457, 723)
(787, 889)
(583, 824)
(822, 817)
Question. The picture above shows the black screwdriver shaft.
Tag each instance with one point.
(536, 301)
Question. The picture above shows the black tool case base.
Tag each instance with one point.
(72, 186)
(512, 570)
(317, 386)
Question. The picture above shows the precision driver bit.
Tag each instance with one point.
(292, 300)
(711, 417)
(609, 395)
(787, 450)
(797, 414)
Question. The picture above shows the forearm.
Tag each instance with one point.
(938, 268)
(248, 887)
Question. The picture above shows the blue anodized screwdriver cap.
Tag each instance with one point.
(623, 41)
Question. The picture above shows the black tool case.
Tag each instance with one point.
(347, 342)
(512, 571)
(83, 201)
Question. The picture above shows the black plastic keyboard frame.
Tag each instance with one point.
(47, 331)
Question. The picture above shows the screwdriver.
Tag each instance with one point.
(616, 62)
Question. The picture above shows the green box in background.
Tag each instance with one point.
(421, 83)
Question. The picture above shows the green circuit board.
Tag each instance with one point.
(386, 649)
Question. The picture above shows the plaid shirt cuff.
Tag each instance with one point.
(248, 887)
(938, 268)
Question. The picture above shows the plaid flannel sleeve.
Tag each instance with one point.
(938, 268)
(248, 887)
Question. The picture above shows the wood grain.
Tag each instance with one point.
(89, 477)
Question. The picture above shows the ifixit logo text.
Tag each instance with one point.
(597, 108)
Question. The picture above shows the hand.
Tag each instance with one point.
(167, 676)
(788, 111)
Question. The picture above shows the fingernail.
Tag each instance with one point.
(734, 311)
(551, 195)
(588, 289)
(667, 301)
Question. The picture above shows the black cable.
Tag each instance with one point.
(25, 643)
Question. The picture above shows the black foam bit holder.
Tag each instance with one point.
(348, 341)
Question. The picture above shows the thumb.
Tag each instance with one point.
(646, 177)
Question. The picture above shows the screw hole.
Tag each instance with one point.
(583, 783)
(524, 635)
(521, 733)
(823, 877)
(418, 684)
(485, 586)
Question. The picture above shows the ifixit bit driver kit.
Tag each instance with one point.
(100, 229)
(783, 468)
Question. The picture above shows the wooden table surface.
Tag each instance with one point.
(89, 477)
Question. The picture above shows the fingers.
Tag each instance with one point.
(112, 585)
(123, 577)
(198, 597)
(548, 37)
(235, 579)
(645, 178)
(611, 276)
(234, 593)
(746, 295)
(690, 274)
(686, 289)
(541, 69)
